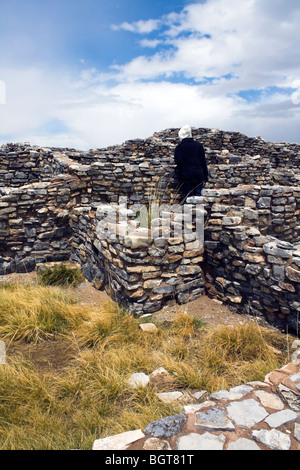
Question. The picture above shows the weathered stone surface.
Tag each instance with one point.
(166, 427)
(264, 202)
(201, 394)
(296, 380)
(246, 413)
(232, 394)
(290, 397)
(187, 409)
(231, 220)
(138, 379)
(275, 420)
(118, 441)
(206, 441)
(213, 420)
(26, 265)
(159, 373)
(154, 443)
(272, 248)
(243, 444)
(169, 397)
(137, 242)
(148, 327)
(274, 439)
(293, 274)
(269, 400)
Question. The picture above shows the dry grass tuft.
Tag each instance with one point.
(71, 407)
(36, 313)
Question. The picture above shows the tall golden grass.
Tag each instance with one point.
(34, 313)
(90, 398)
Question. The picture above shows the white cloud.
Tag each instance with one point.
(203, 58)
(140, 27)
(31, 94)
(152, 43)
(249, 39)
(2, 92)
(296, 95)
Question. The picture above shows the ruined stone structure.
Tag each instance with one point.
(61, 204)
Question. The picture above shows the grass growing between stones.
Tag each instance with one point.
(70, 407)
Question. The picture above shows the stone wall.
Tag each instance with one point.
(34, 223)
(274, 210)
(141, 268)
(233, 159)
(245, 265)
(51, 204)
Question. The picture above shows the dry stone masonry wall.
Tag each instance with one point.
(54, 203)
(141, 268)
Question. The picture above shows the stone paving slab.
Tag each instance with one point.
(254, 416)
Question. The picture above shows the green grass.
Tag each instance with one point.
(60, 275)
(49, 408)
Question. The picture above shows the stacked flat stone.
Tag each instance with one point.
(253, 416)
(143, 270)
(48, 207)
(250, 267)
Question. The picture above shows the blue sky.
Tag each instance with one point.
(88, 73)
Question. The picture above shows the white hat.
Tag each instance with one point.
(185, 132)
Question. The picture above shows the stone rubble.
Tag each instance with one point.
(253, 416)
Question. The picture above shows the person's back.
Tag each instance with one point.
(191, 163)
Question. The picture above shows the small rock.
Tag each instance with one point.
(118, 441)
(233, 394)
(246, 413)
(197, 407)
(270, 400)
(213, 420)
(153, 443)
(296, 380)
(161, 376)
(166, 427)
(280, 418)
(206, 441)
(274, 439)
(194, 200)
(169, 397)
(291, 398)
(161, 371)
(138, 379)
(200, 394)
(243, 444)
(148, 327)
(257, 383)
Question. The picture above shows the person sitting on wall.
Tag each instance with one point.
(191, 164)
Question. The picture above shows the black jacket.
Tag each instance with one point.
(191, 162)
